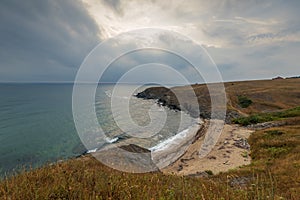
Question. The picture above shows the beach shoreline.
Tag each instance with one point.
(231, 151)
(181, 156)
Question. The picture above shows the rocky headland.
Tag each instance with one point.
(243, 99)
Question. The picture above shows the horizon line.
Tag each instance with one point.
(82, 82)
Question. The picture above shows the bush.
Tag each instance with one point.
(252, 119)
(277, 151)
(266, 117)
(209, 172)
(244, 101)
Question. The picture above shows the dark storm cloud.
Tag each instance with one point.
(122, 65)
(48, 40)
(44, 40)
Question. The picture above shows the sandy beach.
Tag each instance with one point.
(180, 154)
(231, 151)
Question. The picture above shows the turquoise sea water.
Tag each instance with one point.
(36, 123)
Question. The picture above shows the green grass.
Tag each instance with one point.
(245, 154)
(265, 117)
(244, 101)
(277, 151)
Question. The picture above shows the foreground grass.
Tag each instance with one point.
(277, 150)
(273, 174)
(265, 117)
(88, 179)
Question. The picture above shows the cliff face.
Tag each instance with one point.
(178, 99)
(163, 95)
(265, 96)
(153, 93)
(183, 99)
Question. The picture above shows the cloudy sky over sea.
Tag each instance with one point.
(48, 40)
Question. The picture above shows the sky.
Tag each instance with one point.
(48, 40)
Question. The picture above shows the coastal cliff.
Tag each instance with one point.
(243, 98)
(272, 174)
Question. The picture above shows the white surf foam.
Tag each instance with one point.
(92, 150)
(113, 140)
(172, 141)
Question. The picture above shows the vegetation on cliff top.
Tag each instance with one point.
(273, 174)
(266, 117)
(243, 98)
(244, 101)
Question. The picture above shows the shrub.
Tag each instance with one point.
(244, 101)
(209, 172)
(266, 117)
(277, 151)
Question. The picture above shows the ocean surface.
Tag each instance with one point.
(37, 126)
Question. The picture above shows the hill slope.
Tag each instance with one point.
(273, 173)
(243, 98)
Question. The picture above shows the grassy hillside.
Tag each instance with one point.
(268, 116)
(243, 98)
(273, 174)
(266, 95)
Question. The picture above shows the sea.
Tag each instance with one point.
(37, 124)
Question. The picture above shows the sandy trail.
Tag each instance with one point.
(231, 151)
